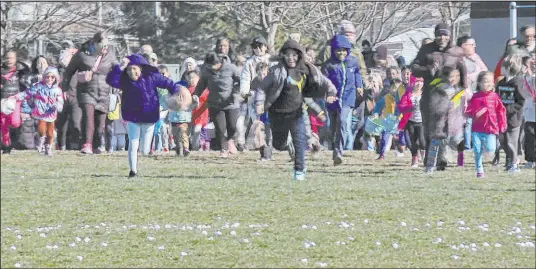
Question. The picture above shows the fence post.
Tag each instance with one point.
(513, 20)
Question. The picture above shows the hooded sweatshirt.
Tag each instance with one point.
(140, 103)
(344, 74)
(184, 67)
(272, 87)
(45, 100)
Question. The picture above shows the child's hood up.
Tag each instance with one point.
(51, 70)
(340, 42)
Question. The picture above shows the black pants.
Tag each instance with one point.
(416, 136)
(530, 141)
(510, 142)
(69, 124)
(283, 123)
(224, 120)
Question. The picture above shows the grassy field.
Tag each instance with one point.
(82, 211)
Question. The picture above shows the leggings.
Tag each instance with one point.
(224, 120)
(416, 134)
(71, 114)
(90, 118)
(46, 129)
(138, 133)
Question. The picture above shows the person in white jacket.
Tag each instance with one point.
(260, 48)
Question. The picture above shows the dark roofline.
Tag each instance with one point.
(500, 9)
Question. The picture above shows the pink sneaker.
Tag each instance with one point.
(87, 148)
(224, 154)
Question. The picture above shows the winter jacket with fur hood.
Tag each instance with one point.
(96, 91)
(446, 113)
(345, 75)
(316, 84)
(139, 102)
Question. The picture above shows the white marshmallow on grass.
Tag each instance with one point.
(233, 233)
(204, 233)
(104, 244)
(350, 238)
(13, 247)
(530, 244)
(87, 239)
(43, 235)
(322, 264)
(18, 265)
(378, 243)
(150, 238)
(497, 245)
(161, 247)
(184, 254)
(437, 240)
(167, 226)
(78, 239)
(486, 244)
(395, 245)
(19, 236)
(80, 258)
(73, 244)
(304, 226)
(304, 260)
(306, 245)
(455, 257)
(403, 224)
(314, 227)
(461, 222)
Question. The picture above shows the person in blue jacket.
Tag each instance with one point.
(343, 71)
(140, 107)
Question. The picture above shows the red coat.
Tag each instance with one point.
(493, 120)
(200, 114)
(497, 71)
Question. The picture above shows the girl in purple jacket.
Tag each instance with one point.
(140, 107)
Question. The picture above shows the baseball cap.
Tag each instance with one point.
(259, 40)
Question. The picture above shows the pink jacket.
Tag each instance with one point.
(493, 120)
(405, 107)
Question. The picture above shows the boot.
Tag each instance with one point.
(41, 145)
(48, 150)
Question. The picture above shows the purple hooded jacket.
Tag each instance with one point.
(139, 102)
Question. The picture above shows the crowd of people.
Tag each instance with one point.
(345, 98)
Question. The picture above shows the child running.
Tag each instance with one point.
(412, 119)
(46, 100)
(489, 118)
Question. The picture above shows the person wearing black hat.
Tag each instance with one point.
(429, 62)
(368, 53)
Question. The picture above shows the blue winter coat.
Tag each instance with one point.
(140, 102)
(345, 75)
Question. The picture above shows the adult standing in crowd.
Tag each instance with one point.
(281, 93)
(91, 64)
(138, 80)
(220, 76)
(69, 122)
(14, 80)
(429, 62)
(528, 41)
(368, 53)
(475, 66)
(498, 73)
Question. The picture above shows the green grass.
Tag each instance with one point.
(372, 198)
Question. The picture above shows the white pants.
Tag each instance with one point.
(135, 132)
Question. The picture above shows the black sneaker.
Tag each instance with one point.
(132, 174)
(6, 149)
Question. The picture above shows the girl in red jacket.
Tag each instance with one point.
(489, 118)
(412, 119)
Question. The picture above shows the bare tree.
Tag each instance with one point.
(453, 13)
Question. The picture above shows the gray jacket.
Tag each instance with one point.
(270, 88)
(96, 91)
(222, 86)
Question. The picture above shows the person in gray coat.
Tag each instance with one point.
(91, 64)
(220, 77)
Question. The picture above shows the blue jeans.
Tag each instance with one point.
(283, 123)
(467, 133)
(339, 128)
(354, 124)
(481, 142)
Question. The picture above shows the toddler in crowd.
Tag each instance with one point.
(115, 126)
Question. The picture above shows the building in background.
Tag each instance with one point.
(490, 27)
